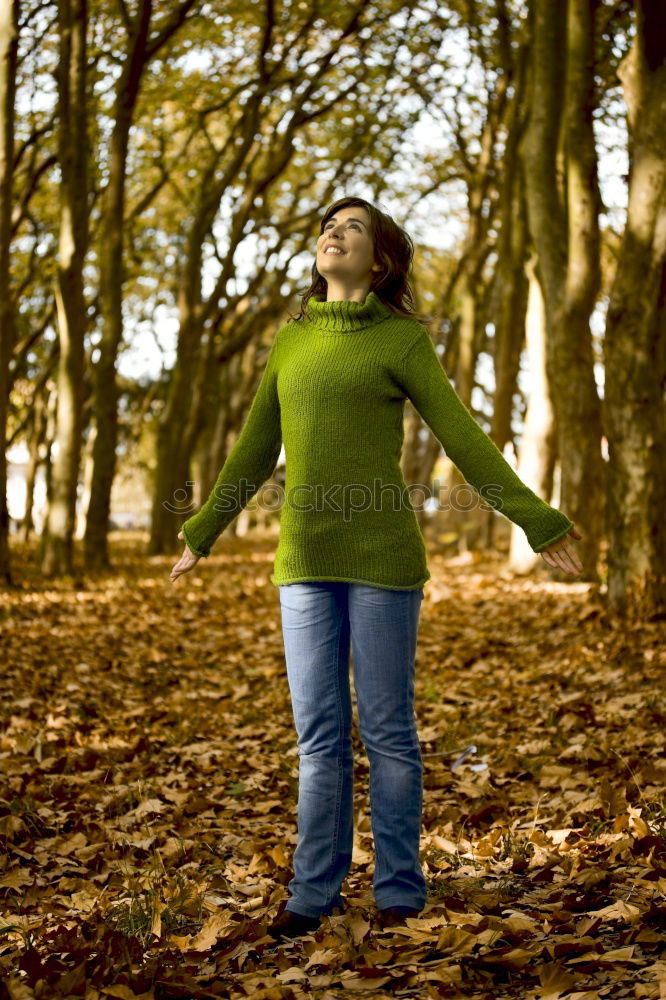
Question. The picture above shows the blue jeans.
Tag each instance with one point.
(320, 619)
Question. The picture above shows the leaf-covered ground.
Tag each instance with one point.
(149, 777)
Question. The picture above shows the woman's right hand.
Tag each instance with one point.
(187, 561)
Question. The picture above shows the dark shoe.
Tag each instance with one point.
(393, 916)
(290, 924)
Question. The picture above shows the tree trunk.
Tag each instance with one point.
(461, 518)
(57, 548)
(49, 438)
(9, 20)
(635, 343)
(577, 404)
(216, 453)
(463, 515)
(169, 496)
(140, 50)
(511, 284)
(35, 446)
(562, 198)
(111, 298)
(87, 472)
(537, 447)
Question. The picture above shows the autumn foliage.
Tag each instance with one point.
(150, 774)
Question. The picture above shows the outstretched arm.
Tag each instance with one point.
(249, 464)
(478, 458)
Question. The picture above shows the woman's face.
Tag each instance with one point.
(349, 230)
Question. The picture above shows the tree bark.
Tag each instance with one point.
(635, 342)
(111, 296)
(510, 293)
(57, 541)
(563, 202)
(577, 403)
(9, 20)
(536, 460)
(36, 439)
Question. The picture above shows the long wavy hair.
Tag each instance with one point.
(394, 251)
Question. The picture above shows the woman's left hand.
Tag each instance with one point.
(562, 554)
(187, 561)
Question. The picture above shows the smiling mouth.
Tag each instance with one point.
(334, 253)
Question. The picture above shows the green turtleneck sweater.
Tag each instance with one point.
(333, 391)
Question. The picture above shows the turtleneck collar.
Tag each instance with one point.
(345, 316)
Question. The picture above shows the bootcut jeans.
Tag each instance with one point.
(321, 620)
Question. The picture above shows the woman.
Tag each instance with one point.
(351, 563)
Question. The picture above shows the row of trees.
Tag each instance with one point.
(179, 134)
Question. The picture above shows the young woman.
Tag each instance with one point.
(351, 563)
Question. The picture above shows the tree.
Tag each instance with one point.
(57, 541)
(9, 20)
(139, 49)
(559, 160)
(635, 343)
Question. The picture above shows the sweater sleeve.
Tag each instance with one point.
(248, 465)
(478, 458)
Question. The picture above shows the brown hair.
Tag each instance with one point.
(394, 251)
